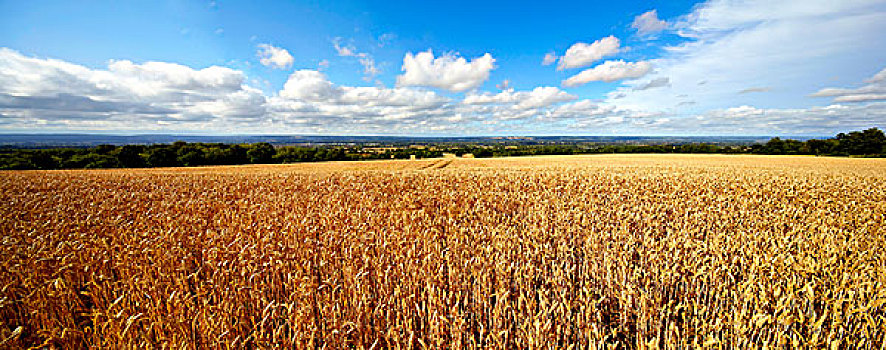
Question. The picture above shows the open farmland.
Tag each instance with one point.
(628, 250)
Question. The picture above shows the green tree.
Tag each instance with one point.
(104, 149)
(775, 146)
(821, 147)
(130, 156)
(190, 155)
(43, 159)
(867, 142)
(16, 161)
(161, 156)
(92, 161)
(261, 153)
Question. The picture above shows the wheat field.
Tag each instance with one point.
(605, 251)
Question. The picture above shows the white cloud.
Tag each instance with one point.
(344, 50)
(447, 72)
(581, 54)
(795, 45)
(309, 100)
(369, 68)
(610, 71)
(274, 57)
(402, 97)
(654, 83)
(540, 97)
(386, 39)
(648, 23)
(861, 98)
(874, 91)
(580, 109)
(309, 85)
(57, 95)
(720, 15)
(401, 109)
(125, 95)
(504, 85)
(510, 105)
(544, 96)
(313, 86)
(741, 120)
(366, 60)
(825, 120)
(755, 89)
(549, 59)
(878, 78)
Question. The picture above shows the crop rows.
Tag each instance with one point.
(560, 252)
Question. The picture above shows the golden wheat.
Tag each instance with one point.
(549, 252)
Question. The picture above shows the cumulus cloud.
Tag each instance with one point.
(515, 105)
(313, 86)
(308, 97)
(404, 108)
(648, 23)
(126, 94)
(53, 94)
(309, 85)
(874, 91)
(310, 101)
(274, 57)
(582, 54)
(448, 71)
(542, 96)
(56, 95)
(610, 71)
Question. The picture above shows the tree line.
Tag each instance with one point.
(868, 143)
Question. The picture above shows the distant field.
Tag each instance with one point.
(672, 251)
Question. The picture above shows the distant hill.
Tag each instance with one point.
(90, 140)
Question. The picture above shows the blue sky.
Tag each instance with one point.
(443, 68)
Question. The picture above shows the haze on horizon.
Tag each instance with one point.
(747, 67)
